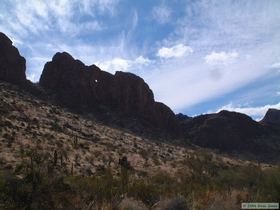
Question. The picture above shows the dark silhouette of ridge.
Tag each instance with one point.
(12, 64)
(272, 117)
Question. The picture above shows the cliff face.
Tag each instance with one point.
(12, 64)
(78, 85)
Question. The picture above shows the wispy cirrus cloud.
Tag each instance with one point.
(161, 14)
(120, 64)
(36, 17)
(275, 65)
(234, 45)
(224, 58)
(42, 28)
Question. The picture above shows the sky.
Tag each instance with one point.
(197, 56)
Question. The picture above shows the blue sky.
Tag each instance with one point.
(197, 56)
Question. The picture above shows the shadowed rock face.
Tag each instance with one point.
(12, 64)
(78, 85)
(226, 131)
(272, 117)
(182, 119)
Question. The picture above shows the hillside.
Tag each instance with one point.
(84, 143)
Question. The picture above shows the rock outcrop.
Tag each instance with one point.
(80, 86)
(272, 117)
(12, 64)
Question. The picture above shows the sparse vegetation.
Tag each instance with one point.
(32, 186)
(54, 159)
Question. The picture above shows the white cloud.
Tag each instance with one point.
(256, 112)
(134, 20)
(21, 19)
(222, 57)
(182, 83)
(249, 28)
(121, 64)
(176, 51)
(39, 29)
(116, 64)
(161, 14)
(31, 77)
(142, 61)
(275, 66)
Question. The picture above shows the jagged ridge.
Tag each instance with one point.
(128, 97)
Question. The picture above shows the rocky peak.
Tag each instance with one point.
(234, 116)
(78, 85)
(4, 40)
(12, 64)
(272, 117)
(182, 117)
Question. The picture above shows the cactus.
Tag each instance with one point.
(75, 141)
(55, 158)
(72, 169)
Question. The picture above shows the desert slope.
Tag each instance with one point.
(84, 144)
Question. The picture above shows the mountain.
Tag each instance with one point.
(182, 117)
(232, 132)
(12, 64)
(88, 87)
(125, 100)
(272, 117)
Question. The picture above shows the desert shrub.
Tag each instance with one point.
(143, 190)
(238, 177)
(155, 159)
(131, 204)
(165, 184)
(55, 126)
(102, 188)
(268, 189)
(223, 201)
(176, 203)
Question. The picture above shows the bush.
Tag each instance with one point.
(131, 204)
(176, 203)
(144, 191)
